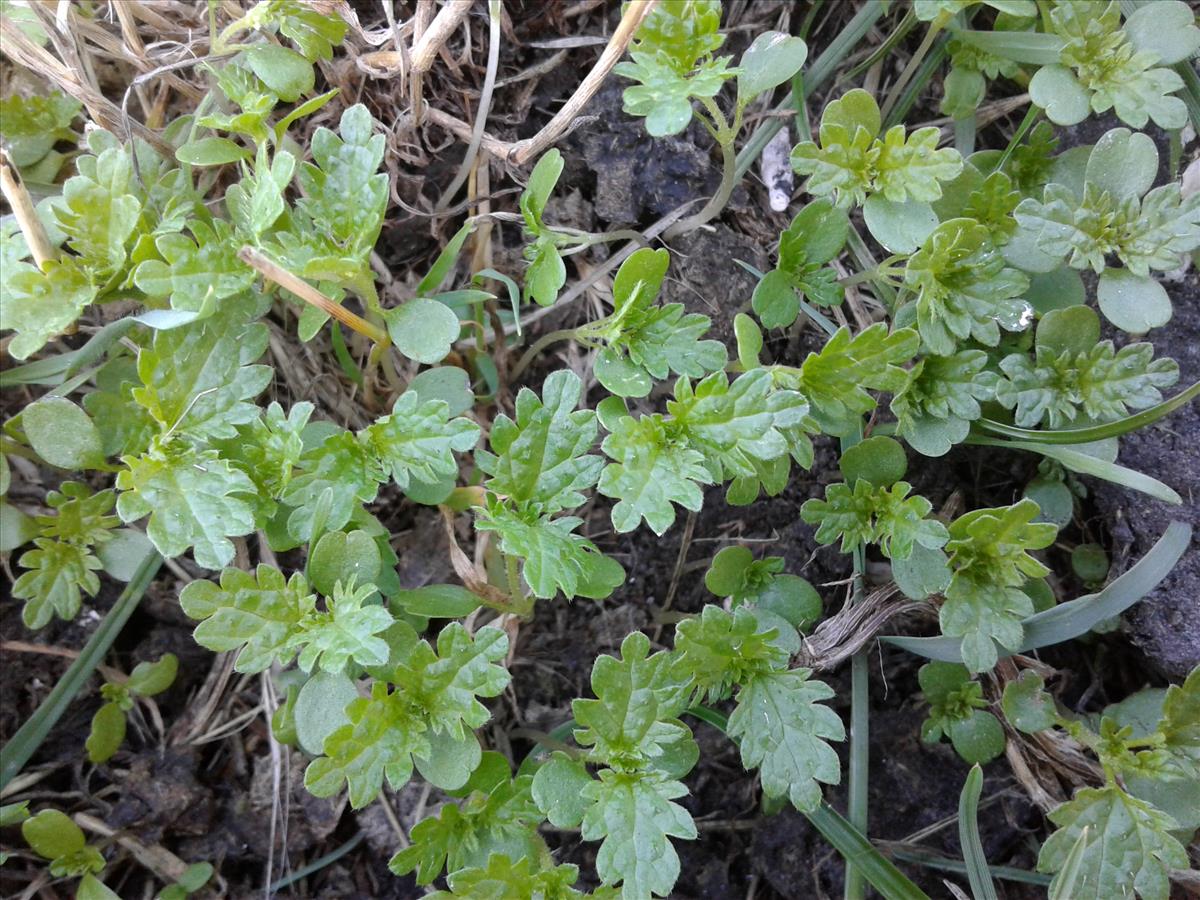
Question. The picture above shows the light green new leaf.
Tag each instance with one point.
(255, 613)
(347, 629)
(633, 814)
(198, 379)
(417, 440)
(1180, 725)
(651, 470)
(98, 213)
(784, 732)
(871, 514)
(555, 558)
(631, 725)
(1128, 848)
(40, 306)
(1100, 384)
(432, 692)
(547, 272)
(934, 411)
(719, 650)
(58, 574)
(342, 465)
(191, 496)
(540, 461)
(851, 162)
(988, 552)
(836, 379)
(644, 342)
(503, 878)
(204, 266)
(964, 290)
(343, 191)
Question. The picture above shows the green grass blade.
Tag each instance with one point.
(934, 861)
(30, 735)
(1090, 465)
(978, 875)
(1095, 432)
(1064, 886)
(858, 852)
(1076, 617)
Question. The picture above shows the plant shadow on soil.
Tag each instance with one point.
(213, 800)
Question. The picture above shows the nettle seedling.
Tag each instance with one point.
(975, 330)
(1149, 749)
(108, 724)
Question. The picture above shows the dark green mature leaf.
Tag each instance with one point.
(634, 816)
(1127, 848)
(540, 461)
(815, 236)
(784, 731)
(199, 380)
(431, 693)
(193, 497)
(964, 290)
(643, 342)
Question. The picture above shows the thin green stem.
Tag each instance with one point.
(858, 805)
(914, 63)
(1031, 116)
(725, 136)
(563, 334)
(964, 134)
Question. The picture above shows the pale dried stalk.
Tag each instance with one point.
(159, 860)
(841, 636)
(426, 48)
(522, 152)
(43, 64)
(274, 272)
(22, 206)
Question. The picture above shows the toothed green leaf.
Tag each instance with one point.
(539, 462)
(39, 306)
(634, 817)
(418, 439)
(346, 630)
(1127, 848)
(934, 411)
(429, 692)
(192, 499)
(870, 514)
(784, 732)
(964, 290)
(199, 379)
